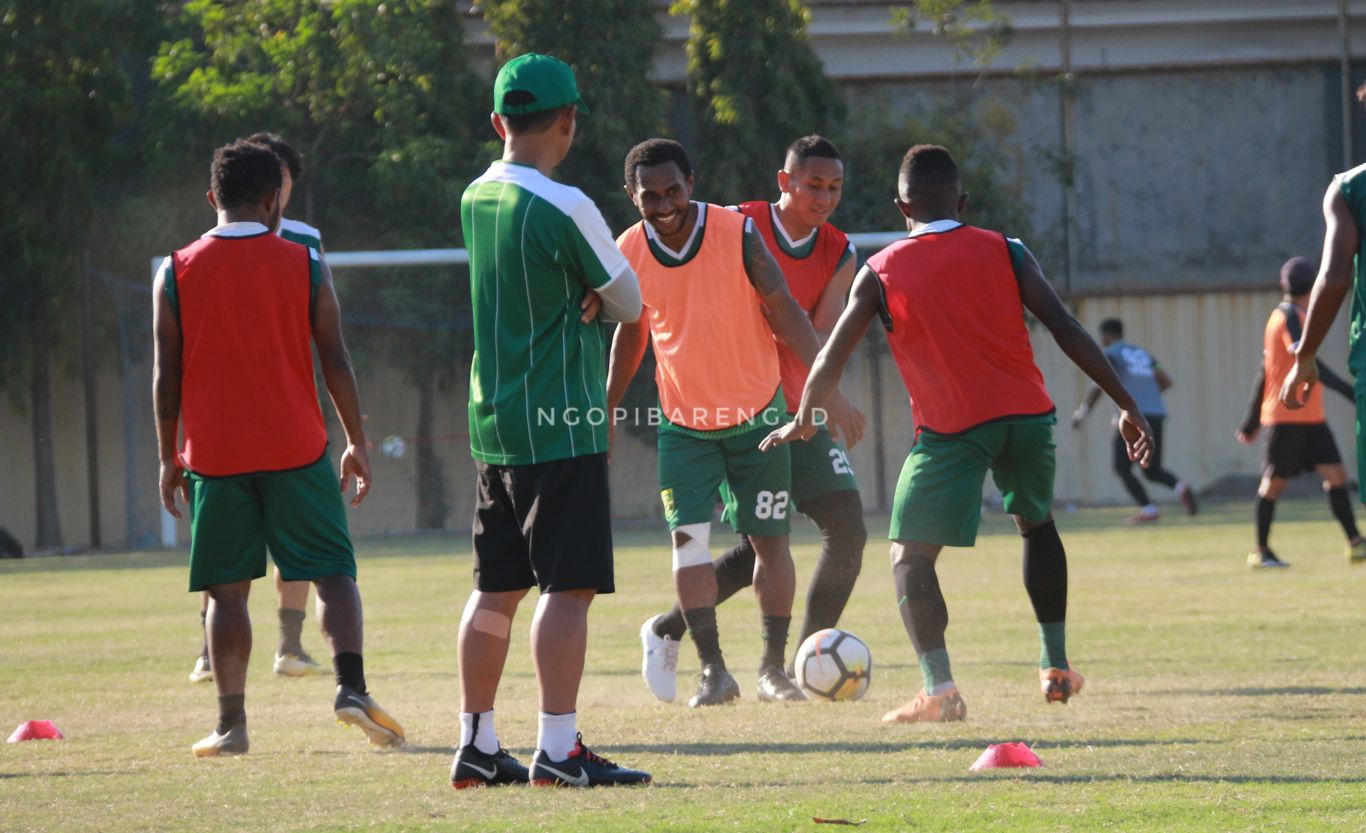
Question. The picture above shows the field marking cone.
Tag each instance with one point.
(1006, 755)
(36, 730)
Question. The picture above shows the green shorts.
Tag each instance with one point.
(819, 466)
(939, 494)
(754, 485)
(297, 514)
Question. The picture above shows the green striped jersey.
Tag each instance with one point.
(1352, 185)
(538, 382)
(298, 232)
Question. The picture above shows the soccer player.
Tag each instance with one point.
(714, 301)
(236, 315)
(542, 265)
(1143, 377)
(291, 660)
(818, 263)
(1296, 440)
(952, 298)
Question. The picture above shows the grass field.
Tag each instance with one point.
(1218, 698)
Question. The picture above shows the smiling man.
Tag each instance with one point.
(818, 263)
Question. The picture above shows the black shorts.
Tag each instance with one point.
(547, 525)
(1293, 448)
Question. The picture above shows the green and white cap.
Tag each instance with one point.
(533, 82)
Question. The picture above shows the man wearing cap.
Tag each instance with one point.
(1297, 440)
(543, 265)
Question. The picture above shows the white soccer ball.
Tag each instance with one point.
(393, 447)
(834, 665)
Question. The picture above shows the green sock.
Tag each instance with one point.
(934, 667)
(1053, 645)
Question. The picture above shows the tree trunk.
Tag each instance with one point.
(431, 488)
(44, 466)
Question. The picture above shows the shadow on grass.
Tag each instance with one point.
(722, 748)
(5, 776)
(1277, 691)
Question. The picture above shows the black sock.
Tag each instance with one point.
(1045, 573)
(232, 712)
(1342, 510)
(839, 517)
(204, 626)
(775, 630)
(350, 670)
(702, 624)
(1266, 510)
(291, 631)
(921, 603)
(734, 572)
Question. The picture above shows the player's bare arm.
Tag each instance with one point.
(166, 395)
(1087, 403)
(790, 324)
(1164, 381)
(628, 349)
(1252, 423)
(1039, 298)
(1340, 243)
(341, 385)
(831, 304)
(824, 380)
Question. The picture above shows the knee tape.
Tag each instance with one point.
(491, 622)
(696, 550)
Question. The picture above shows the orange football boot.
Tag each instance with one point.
(927, 709)
(1059, 684)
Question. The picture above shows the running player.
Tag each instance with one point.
(1143, 377)
(291, 660)
(236, 315)
(714, 301)
(818, 263)
(1296, 440)
(952, 298)
(542, 264)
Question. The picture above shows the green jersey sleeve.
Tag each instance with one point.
(590, 248)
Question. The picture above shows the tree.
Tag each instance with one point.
(974, 28)
(611, 45)
(377, 95)
(755, 85)
(62, 95)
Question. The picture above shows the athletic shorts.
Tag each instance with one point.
(1361, 441)
(755, 486)
(939, 494)
(820, 466)
(546, 525)
(1292, 448)
(297, 514)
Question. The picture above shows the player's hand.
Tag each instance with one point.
(1079, 414)
(794, 431)
(1247, 437)
(1299, 382)
(355, 462)
(173, 480)
(590, 307)
(844, 420)
(1138, 437)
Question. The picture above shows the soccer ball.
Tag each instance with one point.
(834, 665)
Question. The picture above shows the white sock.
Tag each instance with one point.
(1181, 486)
(557, 734)
(942, 688)
(477, 728)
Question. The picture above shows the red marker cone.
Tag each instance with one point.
(1005, 755)
(36, 730)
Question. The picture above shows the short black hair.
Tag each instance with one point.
(808, 146)
(1112, 326)
(537, 122)
(653, 152)
(288, 155)
(244, 173)
(926, 168)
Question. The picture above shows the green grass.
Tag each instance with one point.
(1218, 698)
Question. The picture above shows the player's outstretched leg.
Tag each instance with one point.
(1045, 579)
(1124, 470)
(695, 580)
(291, 660)
(1263, 557)
(775, 585)
(660, 635)
(203, 667)
(229, 635)
(926, 618)
(1335, 487)
(339, 614)
(839, 518)
(485, 626)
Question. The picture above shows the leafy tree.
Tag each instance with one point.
(63, 93)
(377, 95)
(611, 45)
(755, 85)
(974, 28)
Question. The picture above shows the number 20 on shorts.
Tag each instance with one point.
(770, 505)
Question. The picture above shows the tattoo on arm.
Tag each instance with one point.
(764, 272)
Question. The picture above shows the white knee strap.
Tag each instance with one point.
(696, 551)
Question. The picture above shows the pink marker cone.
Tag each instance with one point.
(1005, 755)
(36, 730)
